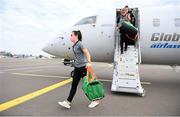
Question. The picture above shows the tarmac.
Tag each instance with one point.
(32, 87)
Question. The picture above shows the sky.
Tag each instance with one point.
(27, 25)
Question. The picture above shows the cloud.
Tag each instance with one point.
(27, 25)
(145, 3)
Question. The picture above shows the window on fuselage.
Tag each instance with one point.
(156, 22)
(177, 22)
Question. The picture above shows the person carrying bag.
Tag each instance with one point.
(82, 61)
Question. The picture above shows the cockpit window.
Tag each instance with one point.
(87, 20)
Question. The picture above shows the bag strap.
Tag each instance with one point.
(93, 75)
(133, 39)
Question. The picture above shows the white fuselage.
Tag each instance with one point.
(159, 38)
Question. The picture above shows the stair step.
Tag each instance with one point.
(128, 74)
(127, 83)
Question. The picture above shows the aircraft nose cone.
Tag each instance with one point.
(48, 48)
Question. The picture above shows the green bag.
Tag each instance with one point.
(94, 90)
(129, 29)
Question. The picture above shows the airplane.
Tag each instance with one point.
(158, 40)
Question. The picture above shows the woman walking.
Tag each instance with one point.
(82, 60)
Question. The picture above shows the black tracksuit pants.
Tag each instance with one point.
(78, 74)
(122, 41)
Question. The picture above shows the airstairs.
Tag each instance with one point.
(126, 76)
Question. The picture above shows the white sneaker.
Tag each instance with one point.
(93, 104)
(65, 104)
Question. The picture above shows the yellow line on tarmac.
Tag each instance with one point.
(32, 71)
(63, 77)
(146, 83)
(32, 95)
(38, 75)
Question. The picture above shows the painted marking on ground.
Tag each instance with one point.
(26, 68)
(110, 65)
(39, 75)
(29, 71)
(32, 95)
(63, 77)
